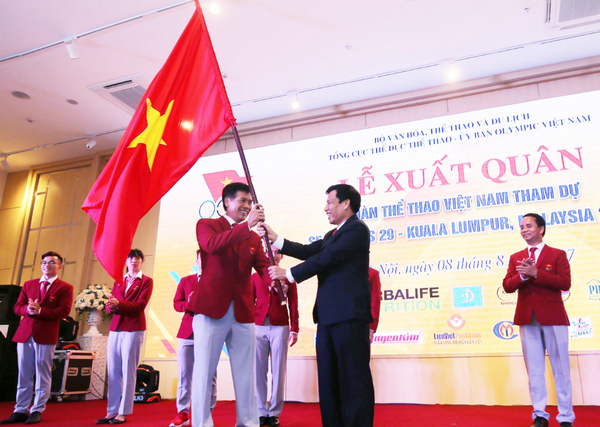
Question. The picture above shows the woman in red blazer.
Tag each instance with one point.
(125, 339)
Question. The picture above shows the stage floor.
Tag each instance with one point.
(85, 413)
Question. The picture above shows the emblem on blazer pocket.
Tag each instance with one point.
(51, 298)
(252, 250)
(548, 267)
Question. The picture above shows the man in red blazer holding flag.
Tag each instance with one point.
(42, 303)
(223, 303)
(540, 273)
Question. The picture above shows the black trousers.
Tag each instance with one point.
(346, 394)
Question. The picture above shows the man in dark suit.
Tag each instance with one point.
(342, 310)
(223, 303)
(540, 273)
(42, 303)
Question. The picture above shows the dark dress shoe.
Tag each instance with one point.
(104, 420)
(540, 422)
(262, 421)
(566, 424)
(273, 421)
(34, 418)
(16, 417)
(116, 421)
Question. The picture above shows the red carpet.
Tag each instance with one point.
(85, 413)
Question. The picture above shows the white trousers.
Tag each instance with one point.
(34, 358)
(535, 339)
(209, 336)
(185, 368)
(122, 358)
(271, 340)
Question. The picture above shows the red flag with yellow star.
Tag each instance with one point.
(183, 112)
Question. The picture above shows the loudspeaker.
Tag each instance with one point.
(67, 331)
(8, 297)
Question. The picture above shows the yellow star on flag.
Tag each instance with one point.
(151, 137)
(227, 181)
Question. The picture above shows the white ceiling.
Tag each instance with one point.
(329, 51)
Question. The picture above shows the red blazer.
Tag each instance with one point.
(375, 297)
(542, 294)
(269, 303)
(56, 305)
(129, 316)
(180, 302)
(228, 256)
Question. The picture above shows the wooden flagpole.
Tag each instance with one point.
(238, 143)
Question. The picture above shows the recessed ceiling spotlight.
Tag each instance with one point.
(214, 8)
(30, 120)
(20, 95)
(72, 102)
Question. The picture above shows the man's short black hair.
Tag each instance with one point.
(52, 253)
(539, 220)
(346, 192)
(230, 190)
(136, 253)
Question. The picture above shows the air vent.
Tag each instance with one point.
(574, 13)
(571, 10)
(125, 93)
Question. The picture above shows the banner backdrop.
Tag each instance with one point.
(443, 198)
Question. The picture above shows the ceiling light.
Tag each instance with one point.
(294, 101)
(91, 143)
(452, 72)
(72, 101)
(72, 49)
(214, 8)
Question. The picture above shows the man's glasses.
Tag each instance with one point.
(48, 263)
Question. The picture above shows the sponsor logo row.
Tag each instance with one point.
(427, 298)
(505, 330)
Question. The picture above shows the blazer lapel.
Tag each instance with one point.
(129, 292)
(225, 226)
(49, 290)
(332, 234)
(328, 237)
(543, 255)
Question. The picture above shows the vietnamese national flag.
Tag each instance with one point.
(183, 112)
(217, 180)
